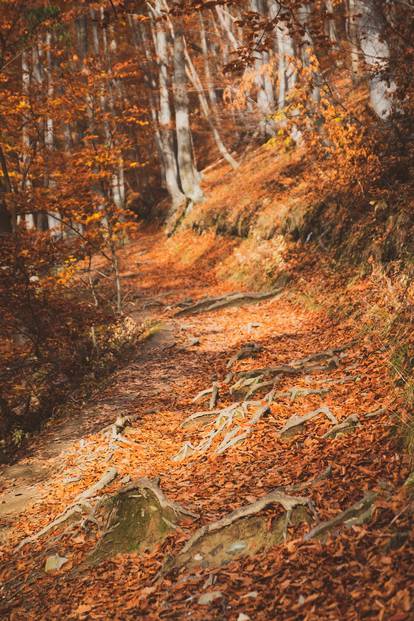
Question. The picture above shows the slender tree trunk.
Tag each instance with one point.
(307, 49)
(7, 218)
(374, 45)
(286, 53)
(265, 95)
(165, 117)
(226, 24)
(193, 75)
(207, 70)
(26, 142)
(54, 223)
(82, 32)
(352, 29)
(188, 174)
(269, 81)
(95, 31)
(142, 43)
(330, 24)
(108, 99)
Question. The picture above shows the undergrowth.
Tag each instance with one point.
(255, 264)
(107, 347)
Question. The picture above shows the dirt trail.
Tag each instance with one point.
(292, 580)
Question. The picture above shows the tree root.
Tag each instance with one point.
(309, 364)
(224, 420)
(376, 413)
(120, 424)
(282, 369)
(114, 431)
(76, 507)
(276, 497)
(250, 386)
(348, 425)
(200, 417)
(299, 487)
(328, 354)
(297, 421)
(153, 486)
(203, 395)
(357, 514)
(342, 380)
(214, 396)
(206, 305)
(138, 517)
(295, 391)
(231, 439)
(257, 387)
(212, 393)
(245, 352)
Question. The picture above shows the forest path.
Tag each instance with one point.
(185, 356)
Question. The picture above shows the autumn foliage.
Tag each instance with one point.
(109, 107)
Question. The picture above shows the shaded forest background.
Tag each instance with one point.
(110, 113)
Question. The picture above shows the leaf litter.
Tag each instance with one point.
(356, 570)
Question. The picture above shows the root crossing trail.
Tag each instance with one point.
(252, 473)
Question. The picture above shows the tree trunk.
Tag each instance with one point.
(82, 35)
(193, 75)
(7, 217)
(265, 95)
(141, 42)
(165, 117)
(286, 53)
(188, 174)
(108, 99)
(374, 45)
(54, 223)
(352, 30)
(330, 23)
(307, 49)
(207, 70)
(26, 142)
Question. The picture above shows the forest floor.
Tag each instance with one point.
(358, 566)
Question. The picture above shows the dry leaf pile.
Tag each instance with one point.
(323, 432)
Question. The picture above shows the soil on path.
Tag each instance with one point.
(359, 573)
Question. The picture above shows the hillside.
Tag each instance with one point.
(285, 195)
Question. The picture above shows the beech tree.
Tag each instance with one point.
(376, 52)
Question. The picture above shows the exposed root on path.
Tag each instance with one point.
(296, 422)
(347, 426)
(247, 351)
(308, 365)
(357, 514)
(76, 508)
(138, 517)
(217, 543)
(207, 305)
(222, 427)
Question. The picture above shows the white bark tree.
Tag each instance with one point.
(352, 31)
(193, 75)
(165, 118)
(376, 51)
(207, 68)
(265, 88)
(189, 177)
(26, 158)
(286, 53)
